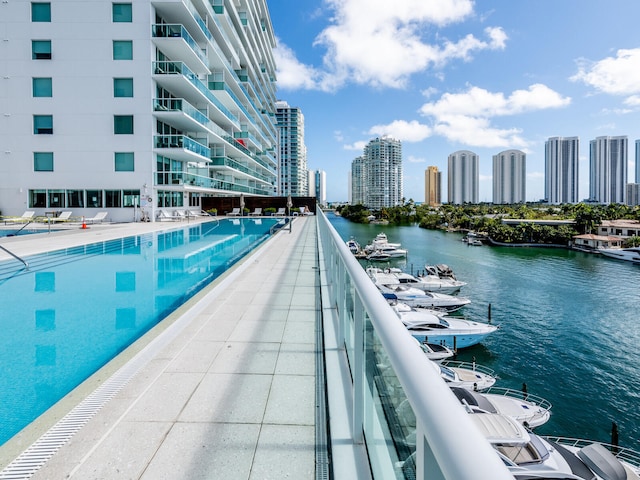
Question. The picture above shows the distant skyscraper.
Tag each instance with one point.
(463, 177)
(608, 169)
(509, 177)
(633, 194)
(358, 181)
(561, 169)
(432, 186)
(292, 169)
(318, 186)
(376, 177)
(637, 161)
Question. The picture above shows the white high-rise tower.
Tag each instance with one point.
(509, 177)
(561, 169)
(463, 177)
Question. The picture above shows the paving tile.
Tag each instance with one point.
(228, 398)
(206, 451)
(246, 357)
(285, 451)
(291, 400)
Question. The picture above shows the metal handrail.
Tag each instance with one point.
(448, 444)
(15, 256)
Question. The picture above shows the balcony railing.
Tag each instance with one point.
(411, 423)
(161, 30)
(179, 68)
(182, 142)
(176, 178)
(228, 162)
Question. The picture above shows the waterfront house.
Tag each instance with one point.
(622, 228)
(590, 242)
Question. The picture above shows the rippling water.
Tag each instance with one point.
(570, 326)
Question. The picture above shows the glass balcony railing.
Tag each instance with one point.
(181, 105)
(202, 181)
(228, 162)
(179, 68)
(178, 31)
(182, 142)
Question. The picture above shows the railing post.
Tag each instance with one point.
(358, 371)
(341, 302)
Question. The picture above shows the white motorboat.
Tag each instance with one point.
(627, 254)
(436, 352)
(353, 246)
(386, 252)
(465, 375)
(440, 270)
(415, 297)
(529, 456)
(452, 332)
(529, 410)
(428, 283)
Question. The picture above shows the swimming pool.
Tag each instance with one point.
(73, 310)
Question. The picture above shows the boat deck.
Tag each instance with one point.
(229, 390)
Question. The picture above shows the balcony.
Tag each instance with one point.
(181, 147)
(225, 164)
(180, 80)
(175, 41)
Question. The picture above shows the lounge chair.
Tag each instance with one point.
(166, 216)
(179, 215)
(234, 213)
(256, 213)
(282, 211)
(63, 217)
(27, 216)
(99, 217)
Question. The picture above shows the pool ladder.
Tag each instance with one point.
(15, 256)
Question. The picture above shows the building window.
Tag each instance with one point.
(123, 124)
(56, 198)
(75, 198)
(43, 124)
(40, 11)
(124, 162)
(94, 198)
(113, 198)
(42, 87)
(131, 198)
(43, 161)
(41, 49)
(37, 198)
(122, 12)
(123, 87)
(123, 50)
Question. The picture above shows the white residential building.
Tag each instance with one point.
(463, 177)
(358, 181)
(156, 104)
(293, 176)
(509, 177)
(561, 169)
(608, 169)
(637, 161)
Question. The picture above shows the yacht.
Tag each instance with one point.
(453, 332)
(529, 456)
(529, 410)
(628, 254)
(353, 245)
(428, 283)
(414, 297)
(465, 376)
(436, 352)
(384, 252)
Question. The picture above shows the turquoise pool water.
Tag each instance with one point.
(73, 310)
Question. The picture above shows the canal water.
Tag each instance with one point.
(569, 324)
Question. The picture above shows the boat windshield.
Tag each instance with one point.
(448, 374)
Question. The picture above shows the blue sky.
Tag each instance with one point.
(448, 75)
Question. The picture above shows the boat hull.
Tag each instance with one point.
(451, 339)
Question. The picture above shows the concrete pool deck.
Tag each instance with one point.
(229, 394)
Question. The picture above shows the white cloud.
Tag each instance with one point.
(535, 175)
(291, 73)
(402, 130)
(619, 75)
(466, 117)
(377, 43)
(359, 146)
(413, 159)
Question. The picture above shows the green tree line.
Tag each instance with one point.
(487, 219)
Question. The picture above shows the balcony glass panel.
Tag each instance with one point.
(178, 31)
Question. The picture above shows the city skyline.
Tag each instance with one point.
(443, 87)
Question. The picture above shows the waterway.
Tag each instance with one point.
(569, 324)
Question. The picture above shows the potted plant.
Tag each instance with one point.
(270, 210)
(213, 212)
